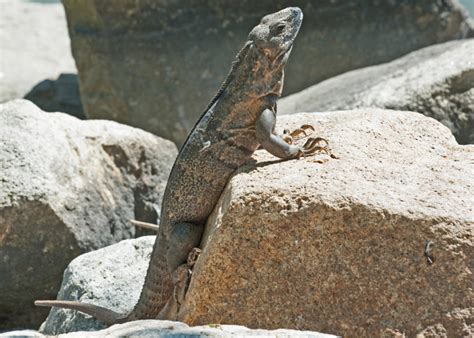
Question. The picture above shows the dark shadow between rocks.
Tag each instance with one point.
(60, 95)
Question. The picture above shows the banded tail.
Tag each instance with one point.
(106, 316)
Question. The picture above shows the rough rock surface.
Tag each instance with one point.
(60, 95)
(165, 328)
(111, 277)
(437, 81)
(338, 247)
(34, 46)
(21, 333)
(66, 187)
(156, 64)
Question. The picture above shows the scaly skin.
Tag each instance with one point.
(239, 119)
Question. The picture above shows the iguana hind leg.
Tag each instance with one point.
(181, 256)
(183, 239)
(182, 276)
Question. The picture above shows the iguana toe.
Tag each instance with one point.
(193, 257)
(304, 131)
(315, 145)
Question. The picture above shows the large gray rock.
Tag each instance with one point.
(66, 187)
(21, 333)
(331, 244)
(168, 329)
(156, 64)
(156, 328)
(437, 81)
(111, 277)
(337, 245)
(34, 46)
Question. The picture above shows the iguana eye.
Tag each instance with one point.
(280, 27)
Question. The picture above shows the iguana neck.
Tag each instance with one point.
(255, 75)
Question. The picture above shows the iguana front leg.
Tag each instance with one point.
(276, 145)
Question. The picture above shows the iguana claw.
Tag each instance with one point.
(182, 276)
(193, 257)
(313, 146)
(291, 136)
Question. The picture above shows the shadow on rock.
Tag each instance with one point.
(60, 95)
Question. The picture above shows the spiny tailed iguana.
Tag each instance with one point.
(238, 119)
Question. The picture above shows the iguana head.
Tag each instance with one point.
(275, 34)
(258, 68)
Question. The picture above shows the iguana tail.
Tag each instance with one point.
(145, 225)
(106, 316)
(156, 291)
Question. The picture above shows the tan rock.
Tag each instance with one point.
(338, 246)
